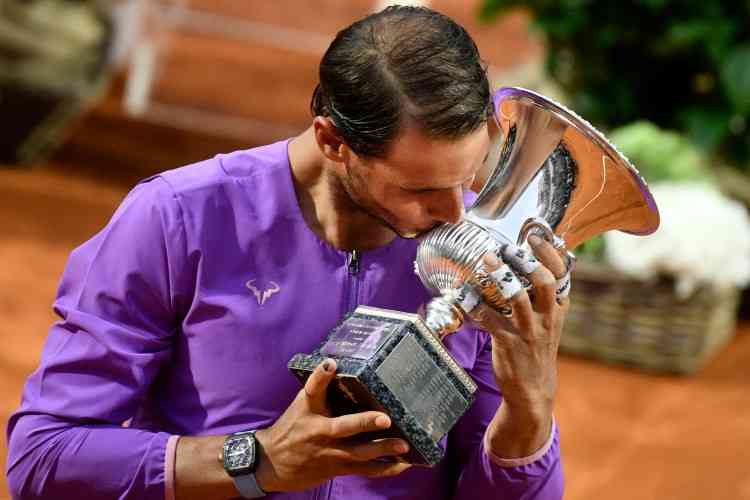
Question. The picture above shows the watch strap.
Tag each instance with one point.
(248, 487)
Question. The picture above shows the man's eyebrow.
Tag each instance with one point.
(432, 188)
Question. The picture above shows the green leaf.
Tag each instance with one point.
(491, 9)
(698, 30)
(591, 250)
(660, 155)
(735, 77)
(655, 5)
(706, 127)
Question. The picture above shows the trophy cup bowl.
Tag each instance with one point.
(548, 171)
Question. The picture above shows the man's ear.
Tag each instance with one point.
(329, 142)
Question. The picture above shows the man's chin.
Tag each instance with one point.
(410, 233)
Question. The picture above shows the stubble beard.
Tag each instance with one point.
(347, 185)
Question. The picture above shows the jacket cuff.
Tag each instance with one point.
(518, 462)
(169, 459)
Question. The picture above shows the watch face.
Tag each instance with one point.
(239, 454)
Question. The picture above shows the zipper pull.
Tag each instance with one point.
(354, 263)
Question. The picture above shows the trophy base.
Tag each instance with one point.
(388, 361)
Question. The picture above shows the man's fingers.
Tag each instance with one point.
(317, 385)
(378, 469)
(516, 311)
(520, 259)
(357, 423)
(523, 314)
(508, 284)
(562, 287)
(542, 281)
(560, 264)
(364, 452)
(548, 256)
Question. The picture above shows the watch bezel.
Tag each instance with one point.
(252, 450)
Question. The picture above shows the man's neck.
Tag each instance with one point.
(326, 207)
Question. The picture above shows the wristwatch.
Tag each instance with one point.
(239, 455)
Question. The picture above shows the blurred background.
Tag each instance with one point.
(653, 403)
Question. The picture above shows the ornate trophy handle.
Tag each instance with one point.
(540, 227)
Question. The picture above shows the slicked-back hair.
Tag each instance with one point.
(402, 65)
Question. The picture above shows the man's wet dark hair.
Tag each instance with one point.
(398, 66)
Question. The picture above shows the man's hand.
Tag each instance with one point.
(306, 446)
(524, 354)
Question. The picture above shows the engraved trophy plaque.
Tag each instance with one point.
(548, 171)
(388, 361)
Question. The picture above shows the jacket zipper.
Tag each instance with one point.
(353, 265)
(353, 271)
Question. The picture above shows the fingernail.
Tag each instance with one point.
(382, 421)
(401, 448)
(327, 365)
(535, 240)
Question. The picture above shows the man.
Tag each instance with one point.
(182, 313)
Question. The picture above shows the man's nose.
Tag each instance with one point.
(449, 207)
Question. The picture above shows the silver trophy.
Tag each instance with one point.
(549, 172)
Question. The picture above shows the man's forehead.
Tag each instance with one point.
(415, 157)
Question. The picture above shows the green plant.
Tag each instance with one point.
(661, 155)
(682, 64)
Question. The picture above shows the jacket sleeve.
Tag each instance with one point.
(539, 477)
(117, 303)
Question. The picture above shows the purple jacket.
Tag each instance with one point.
(181, 316)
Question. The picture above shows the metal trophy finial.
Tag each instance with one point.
(548, 172)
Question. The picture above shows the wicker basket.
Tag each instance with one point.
(620, 320)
